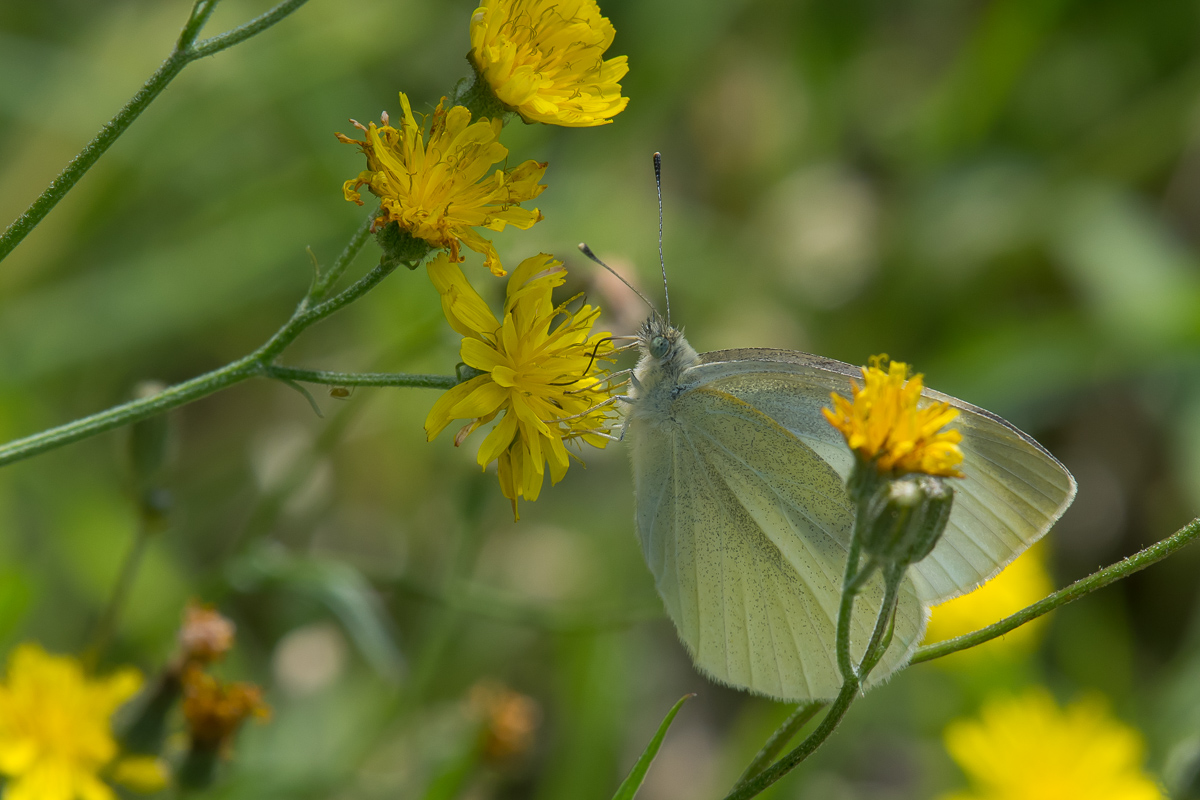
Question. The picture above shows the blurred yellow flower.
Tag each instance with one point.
(1022, 583)
(544, 59)
(441, 191)
(1027, 748)
(55, 726)
(537, 371)
(885, 425)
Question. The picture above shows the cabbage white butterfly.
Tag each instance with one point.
(744, 520)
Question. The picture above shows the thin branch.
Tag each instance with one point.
(185, 52)
(396, 379)
(1084, 586)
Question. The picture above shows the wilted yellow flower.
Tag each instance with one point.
(1027, 748)
(205, 635)
(214, 711)
(544, 59)
(884, 424)
(441, 191)
(55, 728)
(538, 373)
(509, 719)
(1022, 583)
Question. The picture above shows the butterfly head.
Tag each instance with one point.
(665, 353)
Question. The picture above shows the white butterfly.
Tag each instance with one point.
(744, 520)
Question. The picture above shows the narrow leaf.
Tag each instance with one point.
(638, 774)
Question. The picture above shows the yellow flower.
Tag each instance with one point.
(55, 729)
(1027, 748)
(885, 425)
(442, 191)
(1022, 583)
(544, 59)
(537, 371)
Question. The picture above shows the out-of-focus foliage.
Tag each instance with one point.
(1004, 194)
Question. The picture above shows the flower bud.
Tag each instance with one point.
(903, 518)
(400, 247)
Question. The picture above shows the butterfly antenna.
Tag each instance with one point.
(661, 262)
(587, 251)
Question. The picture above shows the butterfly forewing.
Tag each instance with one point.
(1014, 490)
(745, 529)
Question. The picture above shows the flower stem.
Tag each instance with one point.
(780, 738)
(396, 379)
(260, 363)
(1084, 586)
(186, 51)
(851, 684)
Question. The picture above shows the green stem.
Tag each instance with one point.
(134, 410)
(324, 283)
(398, 379)
(185, 52)
(780, 738)
(116, 601)
(1084, 586)
(241, 33)
(257, 364)
(848, 693)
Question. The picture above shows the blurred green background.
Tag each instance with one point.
(1006, 194)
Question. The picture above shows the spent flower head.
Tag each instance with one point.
(887, 426)
(205, 635)
(536, 373)
(544, 59)
(439, 191)
(56, 731)
(215, 711)
(1027, 748)
(509, 720)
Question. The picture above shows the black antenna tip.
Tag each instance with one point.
(587, 251)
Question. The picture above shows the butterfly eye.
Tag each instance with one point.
(659, 346)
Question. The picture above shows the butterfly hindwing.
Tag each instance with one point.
(1014, 490)
(745, 529)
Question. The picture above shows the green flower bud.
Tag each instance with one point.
(903, 518)
(401, 247)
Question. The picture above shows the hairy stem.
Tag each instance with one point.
(260, 363)
(1080, 588)
(186, 51)
(780, 738)
(851, 684)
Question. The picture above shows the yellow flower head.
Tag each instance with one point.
(1022, 583)
(537, 372)
(441, 191)
(1027, 748)
(55, 729)
(544, 59)
(886, 425)
(214, 711)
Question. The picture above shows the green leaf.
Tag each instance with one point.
(339, 587)
(638, 774)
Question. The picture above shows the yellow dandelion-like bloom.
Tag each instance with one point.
(885, 423)
(1027, 748)
(538, 374)
(441, 191)
(544, 59)
(56, 733)
(1022, 583)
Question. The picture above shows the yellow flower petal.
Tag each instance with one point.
(885, 423)
(542, 376)
(544, 59)
(438, 185)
